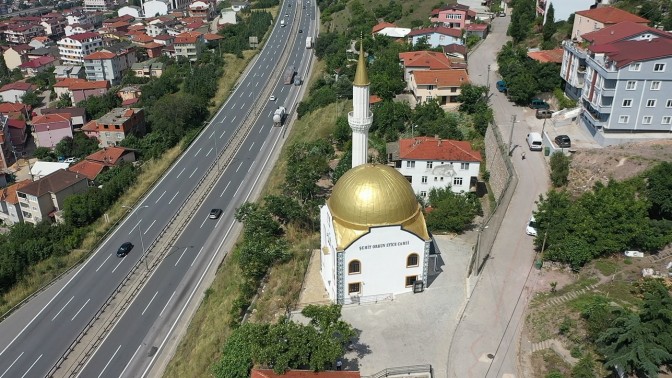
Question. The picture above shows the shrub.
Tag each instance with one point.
(559, 169)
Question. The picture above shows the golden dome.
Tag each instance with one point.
(372, 195)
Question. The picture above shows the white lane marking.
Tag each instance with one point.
(221, 136)
(192, 173)
(198, 152)
(164, 307)
(204, 220)
(115, 268)
(248, 84)
(178, 260)
(239, 165)
(227, 186)
(101, 265)
(136, 225)
(31, 366)
(223, 119)
(80, 309)
(211, 134)
(209, 151)
(262, 146)
(62, 308)
(257, 84)
(171, 200)
(150, 226)
(108, 362)
(150, 302)
(129, 361)
(234, 194)
(196, 258)
(252, 145)
(234, 118)
(180, 174)
(251, 165)
(10, 366)
(161, 196)
(282, 89)
(250, 94)
(242, 105)
(261, 128)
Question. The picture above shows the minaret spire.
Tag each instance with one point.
(360, 118)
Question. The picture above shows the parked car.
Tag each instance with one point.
(124, 249)
(70, 160)
(502, 14)
(544, 113)
(634, 254)
(501, 86)
(272, 98)
(215, 213)
(531, 228)
(563, 141)
(539, 104)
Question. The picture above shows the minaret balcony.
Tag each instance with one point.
(360, 123)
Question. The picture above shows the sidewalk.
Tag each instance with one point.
(486, 338)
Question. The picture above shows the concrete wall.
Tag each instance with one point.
(495, 164)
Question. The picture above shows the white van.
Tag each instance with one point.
(534, 141)
(282, 23)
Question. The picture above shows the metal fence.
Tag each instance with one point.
(403, 370)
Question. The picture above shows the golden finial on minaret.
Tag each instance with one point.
(361, 77)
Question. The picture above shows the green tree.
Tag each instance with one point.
(451, 212)
(64, 101)
(44, 154)
(98, 106)
(585, 368)
(31, 98)
(343, 132)
(343, 166)
(550, 26)
(471, 97)
(79, 146)
(391, 119)
(659, 190)
(554, 374)
(386, 75)
(559, 169)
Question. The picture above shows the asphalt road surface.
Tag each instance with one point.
(36, 335)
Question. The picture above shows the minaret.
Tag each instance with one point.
(360, 117)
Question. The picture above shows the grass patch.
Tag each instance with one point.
(621, 292)
(45, 271)
(233, 68)
(606, 267)
(579, 284)
(546, 361)
(411, 11)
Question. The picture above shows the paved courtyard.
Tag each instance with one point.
(411, 329)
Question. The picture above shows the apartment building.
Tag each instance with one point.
(189, 45)
(41, 199)
(22, 34)
(452, 16)
(442, 86)
(74, 48)
(433, 163)
(109, 65)
(116, 125)
(590, 20)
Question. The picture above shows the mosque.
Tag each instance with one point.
(374, 239)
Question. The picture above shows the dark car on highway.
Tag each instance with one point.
(124, 249)
(563, 141)
(215, 213)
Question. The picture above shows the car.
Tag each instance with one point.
(70, 160)
(286, 14)
(634, 254)
(304, 7)
(544, 113)
(501, 86)
(563, 141)
(539, 104)
(531, 228)
(300, 30)
(215, 213)
(501, 14)
(124, 249)
(272, 98)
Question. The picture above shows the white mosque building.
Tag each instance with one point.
(374, 240)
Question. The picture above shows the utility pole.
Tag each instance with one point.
(142, 243)
(513, 123)
(487, 80)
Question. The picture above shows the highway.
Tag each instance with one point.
(36, 335)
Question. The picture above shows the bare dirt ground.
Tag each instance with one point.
(616, 162)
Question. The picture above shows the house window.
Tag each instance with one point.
(667, 120)
(635, 67)
(410, 280)
(410, 164)
(429, 165)
(631, 85)
(647, 120)
(650, 103)
(120, 135)
(655, 85)
(457, 181)
(354, 267)
(668, 104)
(423, 194)
(354, 288)
(627, 103)
(464, 166)
(424, 179)
(659, 67)
(429, 98)
(412, 260)
(623, 119)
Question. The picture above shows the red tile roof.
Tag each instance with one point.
(83, 36)
(620, 31)
(19, 86)
(49, 118)
(187, 38)
(429, 148)
(21, 49)
(212, 37)
(547, 56)
(67, 82)
(457, 33)
(429, 59)
(266, 373)
(90, 169)
(16, 123)
(109, 155)
(164, 37)
(476, 27)
(611, 15)
(142, 38)
(382, 26)
(626, 52)
(38, 62)
(8, 194)
(101, 55)
(86, 85)
(11, 107)
(441, 78)
(130, 101)
(373, 99)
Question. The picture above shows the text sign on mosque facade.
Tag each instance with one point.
(384, 245)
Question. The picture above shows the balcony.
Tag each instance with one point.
(595, 117)
(581, 69)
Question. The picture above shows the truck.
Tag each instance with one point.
(279, 116)
(282, 23)
(289, 75)
(309, 42)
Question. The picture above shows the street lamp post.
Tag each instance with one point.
(142, 243)
(513, 122)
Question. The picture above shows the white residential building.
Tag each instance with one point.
(74, 48)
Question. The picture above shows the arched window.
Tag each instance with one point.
(354, 267)
(412, 260)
